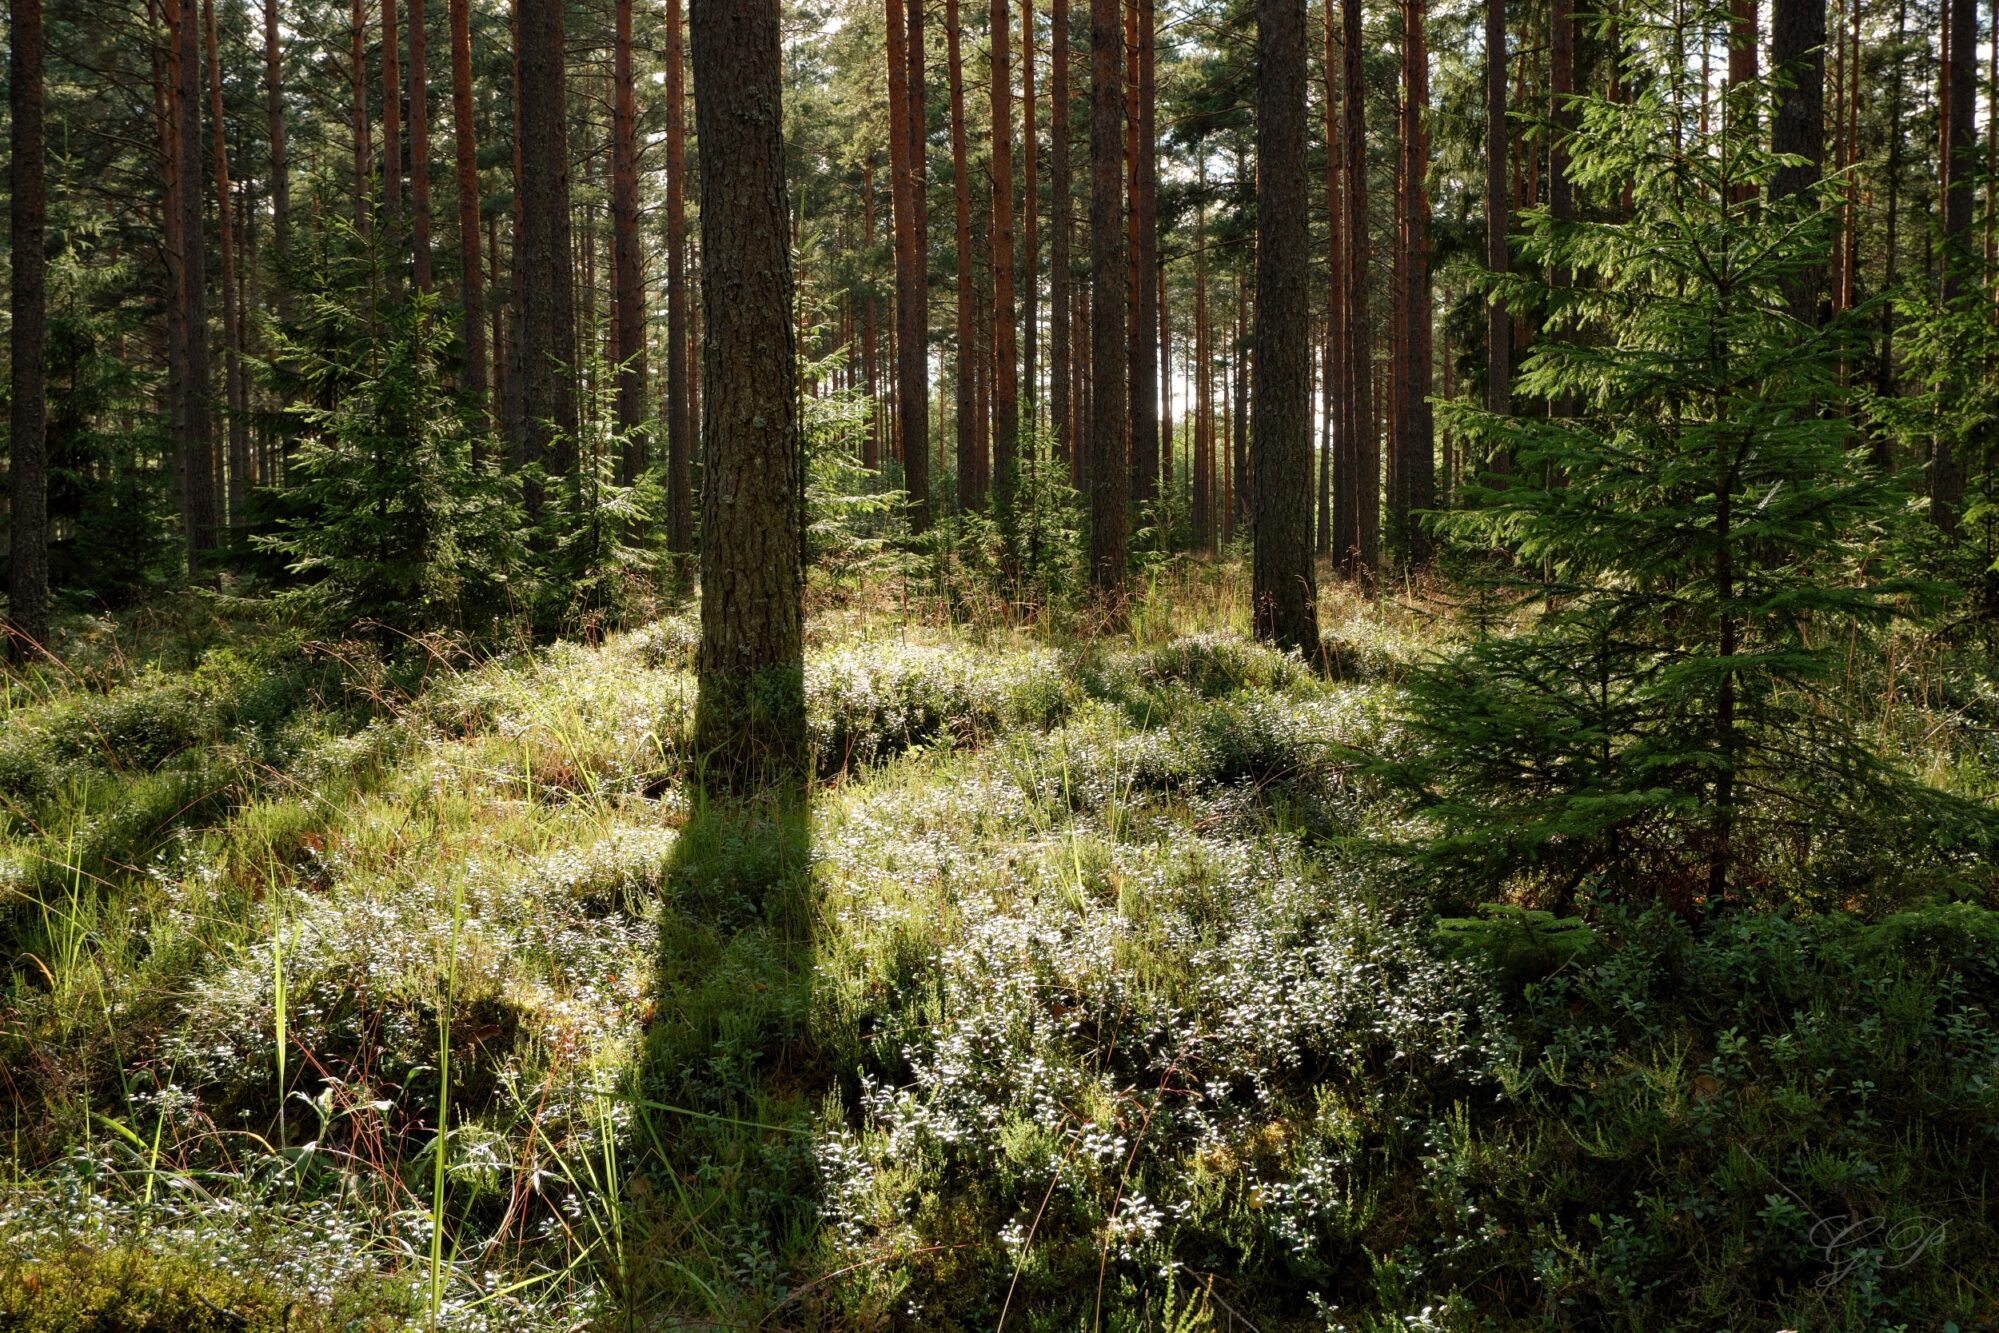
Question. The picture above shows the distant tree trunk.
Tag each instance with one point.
(1415, 488)
(679, 397)
(1109, 425)
(1498, 140)
(628, 305)
(1356, 537)
(1336, 378)
(28, 463)
(471, 275)
(392, 134)
(1742, 54)
(750, 712)
(964, 413)
(274, 113)
(357, 78)
(1959, 170)
(1285, 600)
(1006, 355)
(1797, 49)
(912, 301)
(1061, 210)
(1144, 260)
(548, 310)
(870, 370)
(1202, 508)
(1030, 232)
(194, 417)
(1561, 86)
(419, 148)
(235, 393)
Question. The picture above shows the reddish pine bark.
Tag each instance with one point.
(471, 274)
(27, 625)
(1109, 420)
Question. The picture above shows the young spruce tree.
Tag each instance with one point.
(1692, 533)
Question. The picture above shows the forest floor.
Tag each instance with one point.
(1085, 989)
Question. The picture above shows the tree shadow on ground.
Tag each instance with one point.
(722, 1198)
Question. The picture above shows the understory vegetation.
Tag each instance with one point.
(1094, 984)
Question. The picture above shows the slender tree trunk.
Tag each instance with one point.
(1336, 393)
(964, 414)
(1030, 230)
(1958, 259)
(548, 310)
(357, 75)
(628, 306)
(1006, 356)
(1285, 600)
(27, 623)
(420, 221)
(1144, 260)
(1061, 230)
(234, 391)
(471, 274)
(194, 417)
(1562, 86)
(870, 370)
(679, 397)
(750, 712)
(1109, 424)
(1358, 547)
(912, 313)
(392, 133)
(1498, 138)
(1415, 488)
(1203, 478)
(274, 114)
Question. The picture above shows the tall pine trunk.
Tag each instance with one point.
(194, 417)
(420, 222)
(1061, 234)
(628, 297)
(1144, 260)
(679, 347)
(236, 394)
(1285, 601)
(1005, 352)
(1958, 97)
(357, 88)
(1415, 482)
(912, 301)
(963, 414)
(548, 308)
(1358, 546)
(1109, 423)
(1797, 50)
(1498, 139)
(392, 132)
(471, 274)
(1030, 231)
(750, 712)
(28, 465)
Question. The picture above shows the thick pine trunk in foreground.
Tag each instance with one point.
(750, 715)
(471, 276)
(1285, 600)
(1797, 48)
(27, 469)
(548, 309)
(1415, 480)
(1959, 94)
(1109, 424)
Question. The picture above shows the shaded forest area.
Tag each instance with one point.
(1222, 664)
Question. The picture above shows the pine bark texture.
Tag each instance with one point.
(548, 307)
(1958, 260)
(1285, 600)
(194, 414)
(236, 394)
(679, 348)
(1144, 260)
(1498, 139)
(963, 414)
(1357, 487)
(27, 467)
(628, 304)
(1061, 212)
(1006, 352)
(912, 296)
(419, 90)
(1109, 423)
(471, 274)
(750, 714)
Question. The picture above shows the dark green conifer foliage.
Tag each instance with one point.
(1693, 538)
(391, 524)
